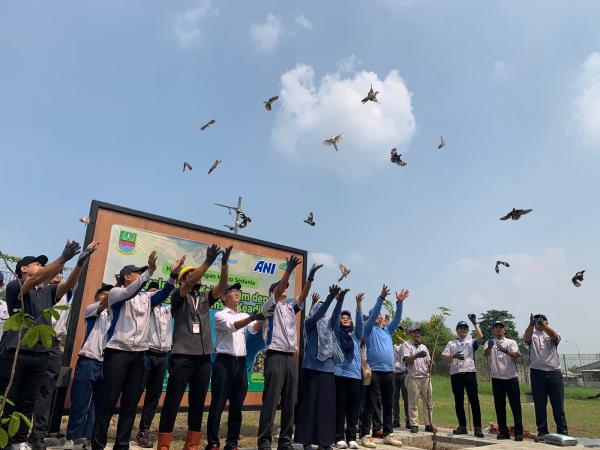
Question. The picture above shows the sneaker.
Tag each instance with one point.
(460, 430)
(353, 444)
(502, 436)
(20, 446)
(478, 433)
(341, 444)
(391, 440)
(367, 442)
(540, 437)
(414, 429)
(378, 433)
(430, 429)
(143, 439)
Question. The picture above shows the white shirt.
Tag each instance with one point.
(467, 347)
(229, 340)
(399, 366)
(60, 325)
(95, 334)
(160, 334)
(3, 315)
(419, 368)
(279, 331)
(543, 352)
(502, 366)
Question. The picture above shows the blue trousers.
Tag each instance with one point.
(85, 388)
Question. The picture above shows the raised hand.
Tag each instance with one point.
(359, 299)
(211, 253)
(70, 250)
(384, 292)
(401, 296)
(85, 255)
(315, 298)
(152, 262)
(473, 318)
(226, 254)
(177, 266)
(292, 262)
(313, 270)
(341, 295)
(334, 289)
(531, 320)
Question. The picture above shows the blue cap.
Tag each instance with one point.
(462, 324)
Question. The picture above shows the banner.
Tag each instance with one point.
(254, 272)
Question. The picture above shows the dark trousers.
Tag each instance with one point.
(281, 383)
(380, 382)
(510, 389)
(43, 401)
(29, 374)
(544, 385)
(85, 392)
(400, 388)
(154, 377)
(123, 376)
(347, 402)
(461, 382)
(229, 382)
(184, 370)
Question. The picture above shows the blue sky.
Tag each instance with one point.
(105, 100)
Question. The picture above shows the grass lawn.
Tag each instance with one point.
(582, 414)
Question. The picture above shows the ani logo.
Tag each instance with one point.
(127, 242)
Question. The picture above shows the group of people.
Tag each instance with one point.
(347, 390)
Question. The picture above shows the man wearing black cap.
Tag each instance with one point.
(546, 376)
(502, 353)
(460, 354)
(229, 381)
(126, 346)
(32, 362)
(88, 376)
(190, 363)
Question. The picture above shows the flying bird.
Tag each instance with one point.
(333, 140)
(214, 165)
(371, 96)
(578, 278)
(396, 158)
(269, 103)
(442, 143)
(516, 214)
(310, 220)
(187, 165)
(244, 220)
(207, 124)
(501, 263)
(345, 272)
(85, 220)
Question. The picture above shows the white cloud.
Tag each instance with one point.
(585, 108)
(187, 24)
(301, 20)
(266, 35)
(312, 110)
(502, 71)
(326, 259)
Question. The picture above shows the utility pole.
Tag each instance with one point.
(237, 216)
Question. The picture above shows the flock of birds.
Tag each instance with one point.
(395, 158)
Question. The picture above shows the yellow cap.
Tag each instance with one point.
(183, 271)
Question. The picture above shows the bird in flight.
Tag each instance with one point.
(244, 220)
(578, 278)
(310, 220)
(187, 165)
(334, 140)
(86, 220)
(207, 124)
(396, 158)
(214, 165)
(345, 272)
(516, 214)
(371, 96)
(269, 103)
(501, 263)
(442, 143)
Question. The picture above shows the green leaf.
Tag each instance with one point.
(8, 401)
(13, 323)
(24, 418)
(31, 337)
(46, 333)
(13, 426)
(55, 314)
(5, 420)
(61, 307)
(3, 438)
(47, 315)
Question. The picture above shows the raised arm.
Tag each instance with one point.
(312, 320)
(473, 318)
(71, 281)
(552, 333)
(400, 297)
(311, 277)
(529, 330)
(121, 294)
(292, 262)
(196, 275)
(49, 271)
(376, 310)
(337, 310)
(218, 289)
(359, 327)
(157, 297)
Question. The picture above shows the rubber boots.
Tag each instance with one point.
(164, 441)
(192, 440)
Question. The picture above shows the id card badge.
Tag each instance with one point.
(196, 327)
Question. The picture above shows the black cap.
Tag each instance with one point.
(130, 269)
(274, 285)
(498, 322)
(153, 285)
(462, 324)
(105, 287)
(346, 313)
(540, 316)
(231, 287)
(42, 259)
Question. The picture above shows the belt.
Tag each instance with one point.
(156, 352)
(228, 356)
(277, 352)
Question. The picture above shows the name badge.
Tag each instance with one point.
(196, 327)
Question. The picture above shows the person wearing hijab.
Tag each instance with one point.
(316, 410)
(348, 376)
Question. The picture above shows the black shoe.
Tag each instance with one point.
(518, 437)
(37, 444)
(144, 439)
(478, 433)
(414, 429)
(540, 437)
(396, 424)
(430, 429)
(460, 430)
(503, 436)
(407, 425)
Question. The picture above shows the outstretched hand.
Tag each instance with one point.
(341, 295)
(402, 295)
(359, 299)
(384, 292)
(334, 290)
(85, 255)
(473, 318)
(152, 258)
(211, 253)
(177, 266)
(313, 270)
(226, 253)
(71, 249)
(315, 298)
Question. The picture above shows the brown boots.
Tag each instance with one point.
(164, 441)
(192, 440)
